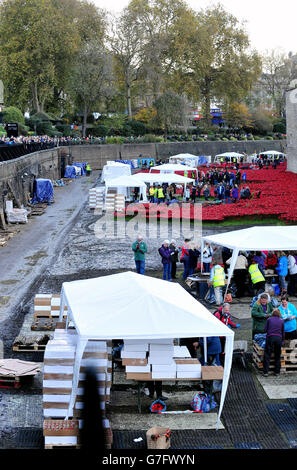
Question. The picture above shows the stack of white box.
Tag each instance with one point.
(59, 359)
(134, 357)
(58, 374)
(110, 202)
(96, 198)
(161, 353)
(119, 203)
(188, 368)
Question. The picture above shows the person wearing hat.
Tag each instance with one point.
(165, 253)
(174, 258)
(140, 248)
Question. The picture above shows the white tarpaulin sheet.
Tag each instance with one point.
(132, 306)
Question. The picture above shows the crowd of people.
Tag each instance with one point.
(274, 321)
(228, 186)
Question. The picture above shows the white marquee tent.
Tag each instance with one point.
(187, 159)
(114, 170)
(267, 238)
(230, 155)
(172, 167)
(132, 306)
(123, 183)
(160, 178)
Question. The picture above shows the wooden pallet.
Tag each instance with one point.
(10, 381)
(288, 359)
(62, 446)
(44, 324)
(29, 348)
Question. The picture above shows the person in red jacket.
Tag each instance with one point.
(223, 314)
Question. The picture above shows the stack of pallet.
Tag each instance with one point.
(110, 201)
(288, 357)
(48, 305)
(57, 386)
(96, 198)
(258, 358)
(119, 203)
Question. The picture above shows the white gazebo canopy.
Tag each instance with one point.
(133, 306)
(114, 170)
(259, 238)
(172, 167)
(230, 155)
(271, 153)
(123, 183)
(160, 178)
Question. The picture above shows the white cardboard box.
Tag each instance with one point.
(163, 375)
(136, 346)
(188, 375)
(133, 354)
(138, 369)
(181, 352)
(164, 367)
(188, 368)
(159, 360)
(162, 347)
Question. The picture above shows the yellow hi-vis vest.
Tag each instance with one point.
(152, 191)
(160, 193)
(219, 277)
(256, 275)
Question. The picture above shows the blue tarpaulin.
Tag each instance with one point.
(70, 172)
(202, 160)
(127, 162)
(83, 167)
(43, 191)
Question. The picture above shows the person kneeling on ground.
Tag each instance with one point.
(275, 336)
(223, 314)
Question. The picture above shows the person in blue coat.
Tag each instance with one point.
(235, 194)
(282, 270)
(214, 349)
(165, 254)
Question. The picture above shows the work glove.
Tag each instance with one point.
(237, 326)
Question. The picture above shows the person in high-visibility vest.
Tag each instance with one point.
(217, 281)
(160, 194)
(257, 277)
(88, 169)
(156, 195)
(152, 194)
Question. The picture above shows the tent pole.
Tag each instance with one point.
(231, 269)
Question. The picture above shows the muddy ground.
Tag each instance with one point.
(61, 246)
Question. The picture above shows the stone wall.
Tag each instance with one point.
(98, 155)
(17, 176)
(291, 113)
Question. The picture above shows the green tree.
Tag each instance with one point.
(238, 116)
(172, 111)
(90, 76)
(219, 64)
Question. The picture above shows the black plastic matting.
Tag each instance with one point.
(182, 439)
(247, 445)
(29, 438)
(283, 416)
(293, 403)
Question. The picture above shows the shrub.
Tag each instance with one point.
(269, 137)
(256, 137)
(232, 138)
(201, 139)
(13, 114)
(23, 130)
(115, 140)
(150, 138)
(99, 131)
(137, 127)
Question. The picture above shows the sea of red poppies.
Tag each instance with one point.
(278, 199)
